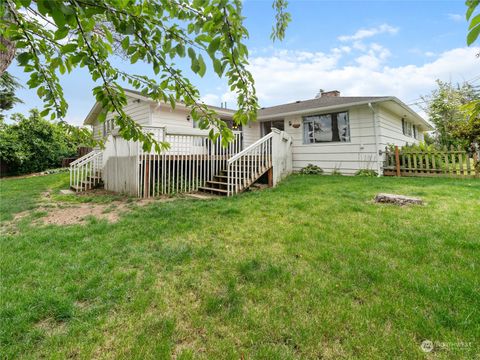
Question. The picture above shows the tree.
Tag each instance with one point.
(33, 144)
(473, 108)
(446, 110)
(8, 85)
(54, 37)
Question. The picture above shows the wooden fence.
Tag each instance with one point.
(445, 162)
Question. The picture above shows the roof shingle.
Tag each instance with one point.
(316, 103)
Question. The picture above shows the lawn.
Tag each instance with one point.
(310, 269)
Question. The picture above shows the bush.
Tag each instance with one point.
(33, 144)
(311, 169)
(366, 173)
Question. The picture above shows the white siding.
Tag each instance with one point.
(251, 133)
(391, 130)
(163, 115)
(347, 158)
(139, 111)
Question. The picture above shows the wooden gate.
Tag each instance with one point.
(440, 162)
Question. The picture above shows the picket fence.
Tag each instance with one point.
(447, 162)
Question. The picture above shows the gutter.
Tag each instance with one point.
(376, 135)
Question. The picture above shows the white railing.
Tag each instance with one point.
(86, 172)
(248, 165)
(191, 160)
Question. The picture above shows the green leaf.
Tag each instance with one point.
(195, 66)
(58, 17)
(471, 7)
(180, 49)
(125, 43)
(213, 46)
(135, 57)
(473, 35)
(217, 66)
(191, 53)
(68, 48)
(202, 67)
(67, 10)
(475, 21)
(61, 33)
(23, 58)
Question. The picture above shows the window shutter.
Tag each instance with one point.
(403, 126)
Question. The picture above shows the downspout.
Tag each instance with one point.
(376, 135)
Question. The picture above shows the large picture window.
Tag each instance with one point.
(326, 128)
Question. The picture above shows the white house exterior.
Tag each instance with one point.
(372, 123)
(338, 133)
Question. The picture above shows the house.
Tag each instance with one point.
(335, 132)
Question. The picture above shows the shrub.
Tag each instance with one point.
(311, 169)
(366, 173)
(33, 144)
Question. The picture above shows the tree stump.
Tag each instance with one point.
(397, 199)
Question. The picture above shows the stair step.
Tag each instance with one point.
(209, 189)
(217, 182)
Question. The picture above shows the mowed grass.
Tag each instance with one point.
(310, 269)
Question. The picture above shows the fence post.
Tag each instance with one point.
(476, 165)
(397, 160)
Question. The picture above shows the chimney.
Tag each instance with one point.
(333, 93)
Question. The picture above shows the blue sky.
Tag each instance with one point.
(358, 47)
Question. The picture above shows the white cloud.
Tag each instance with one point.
(216, 100)
(369, 32)
(288, 76)
(456, 17)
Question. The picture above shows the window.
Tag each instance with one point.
(108, 126)
(326, 128)
(408, 129)
(268, 125)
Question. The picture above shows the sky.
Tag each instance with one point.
(361, 48)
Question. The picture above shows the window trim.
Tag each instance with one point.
(409, 129)
(327, 142)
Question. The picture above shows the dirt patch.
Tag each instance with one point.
(51, 327)
(64, 213)
(79, 214)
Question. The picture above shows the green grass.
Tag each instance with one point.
(310, 269)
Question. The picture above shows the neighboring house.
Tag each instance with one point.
(339, 133)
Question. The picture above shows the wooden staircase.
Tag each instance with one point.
(86, 172)
(93, 181)
(243, 169)
(219, 184)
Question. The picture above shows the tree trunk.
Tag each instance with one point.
(7, 54)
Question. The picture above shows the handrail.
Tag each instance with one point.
(86, 172)
(84, 157)
(250, 147)
(248, 165)
(83, 161)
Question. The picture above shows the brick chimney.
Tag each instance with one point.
(332, 93)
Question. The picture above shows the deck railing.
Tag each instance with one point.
(246, 166)
(86, 172)
(192, 159)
